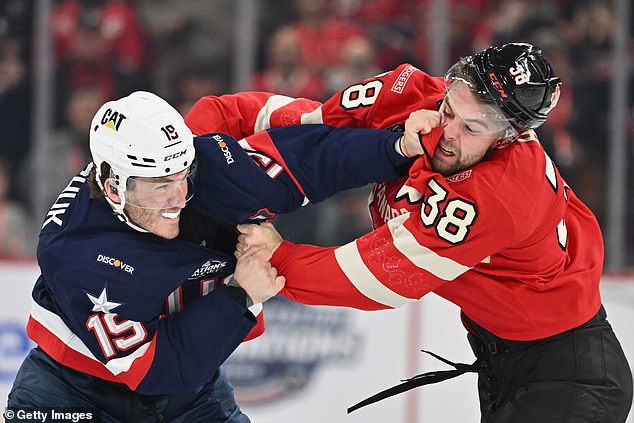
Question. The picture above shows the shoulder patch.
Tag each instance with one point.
(401, 80)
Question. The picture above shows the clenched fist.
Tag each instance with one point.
(256, 276)
(263, 235)
(419, 122)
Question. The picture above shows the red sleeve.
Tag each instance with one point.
(244, 114)
(409, 256)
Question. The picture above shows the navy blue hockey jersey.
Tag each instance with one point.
(153, 313)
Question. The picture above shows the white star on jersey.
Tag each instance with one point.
(101, 303)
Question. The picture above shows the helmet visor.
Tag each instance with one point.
(160, 193)
(486, 117)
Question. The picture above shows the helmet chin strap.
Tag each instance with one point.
(118, 208)
(121, 215)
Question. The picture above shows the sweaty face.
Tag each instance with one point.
(155, 203)
(470, 130)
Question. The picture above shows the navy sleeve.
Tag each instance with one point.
(275, 171)
(232, 187)
(325, 160)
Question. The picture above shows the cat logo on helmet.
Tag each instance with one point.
(112, 119)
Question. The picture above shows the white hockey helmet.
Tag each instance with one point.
(140, 135)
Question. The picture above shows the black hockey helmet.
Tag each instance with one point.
(516, 78)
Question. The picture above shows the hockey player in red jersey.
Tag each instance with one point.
(483, 219)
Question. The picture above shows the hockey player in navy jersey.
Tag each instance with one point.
(140, 299)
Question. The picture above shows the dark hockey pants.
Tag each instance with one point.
(42, 383)
(579, 376)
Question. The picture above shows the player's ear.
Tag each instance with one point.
(111, 190)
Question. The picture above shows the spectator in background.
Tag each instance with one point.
(389, 25)
(286, 72)
(358, 62)
(321, 33)
(16, 239)
(16, 17)
(517, 19)
(184, 33)
(15, 112)
(88, 62)
(117, 22)
(464, 16)
(192, 83)
(507, 20)
(121, 28)
(98, 43)
(590, 40)
(64, 21)
(67, 146)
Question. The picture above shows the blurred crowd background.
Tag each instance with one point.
(182, 50)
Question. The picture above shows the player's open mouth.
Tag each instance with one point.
(171, 216)
(444, 150)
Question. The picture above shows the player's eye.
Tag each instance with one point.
(470, 130)
(446, 111)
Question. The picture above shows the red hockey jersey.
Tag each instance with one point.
(507, 240)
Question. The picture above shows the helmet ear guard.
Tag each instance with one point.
(517, 78)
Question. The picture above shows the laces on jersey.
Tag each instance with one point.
(423, 379)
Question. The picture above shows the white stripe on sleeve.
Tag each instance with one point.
(349, 259)
(442, 267)
(361, 277)
(313, 117)
(263, 120)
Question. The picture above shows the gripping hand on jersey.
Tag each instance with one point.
(256, 276)
(253, 236)
(420, 122)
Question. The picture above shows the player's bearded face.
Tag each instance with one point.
(155, 204)
(469, 131)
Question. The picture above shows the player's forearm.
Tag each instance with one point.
(233, 114)
(243, 114)
(314, 277)
(326, 160)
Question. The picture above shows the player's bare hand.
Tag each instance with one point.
(252, 235)
(256, 276)
(421, 121)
